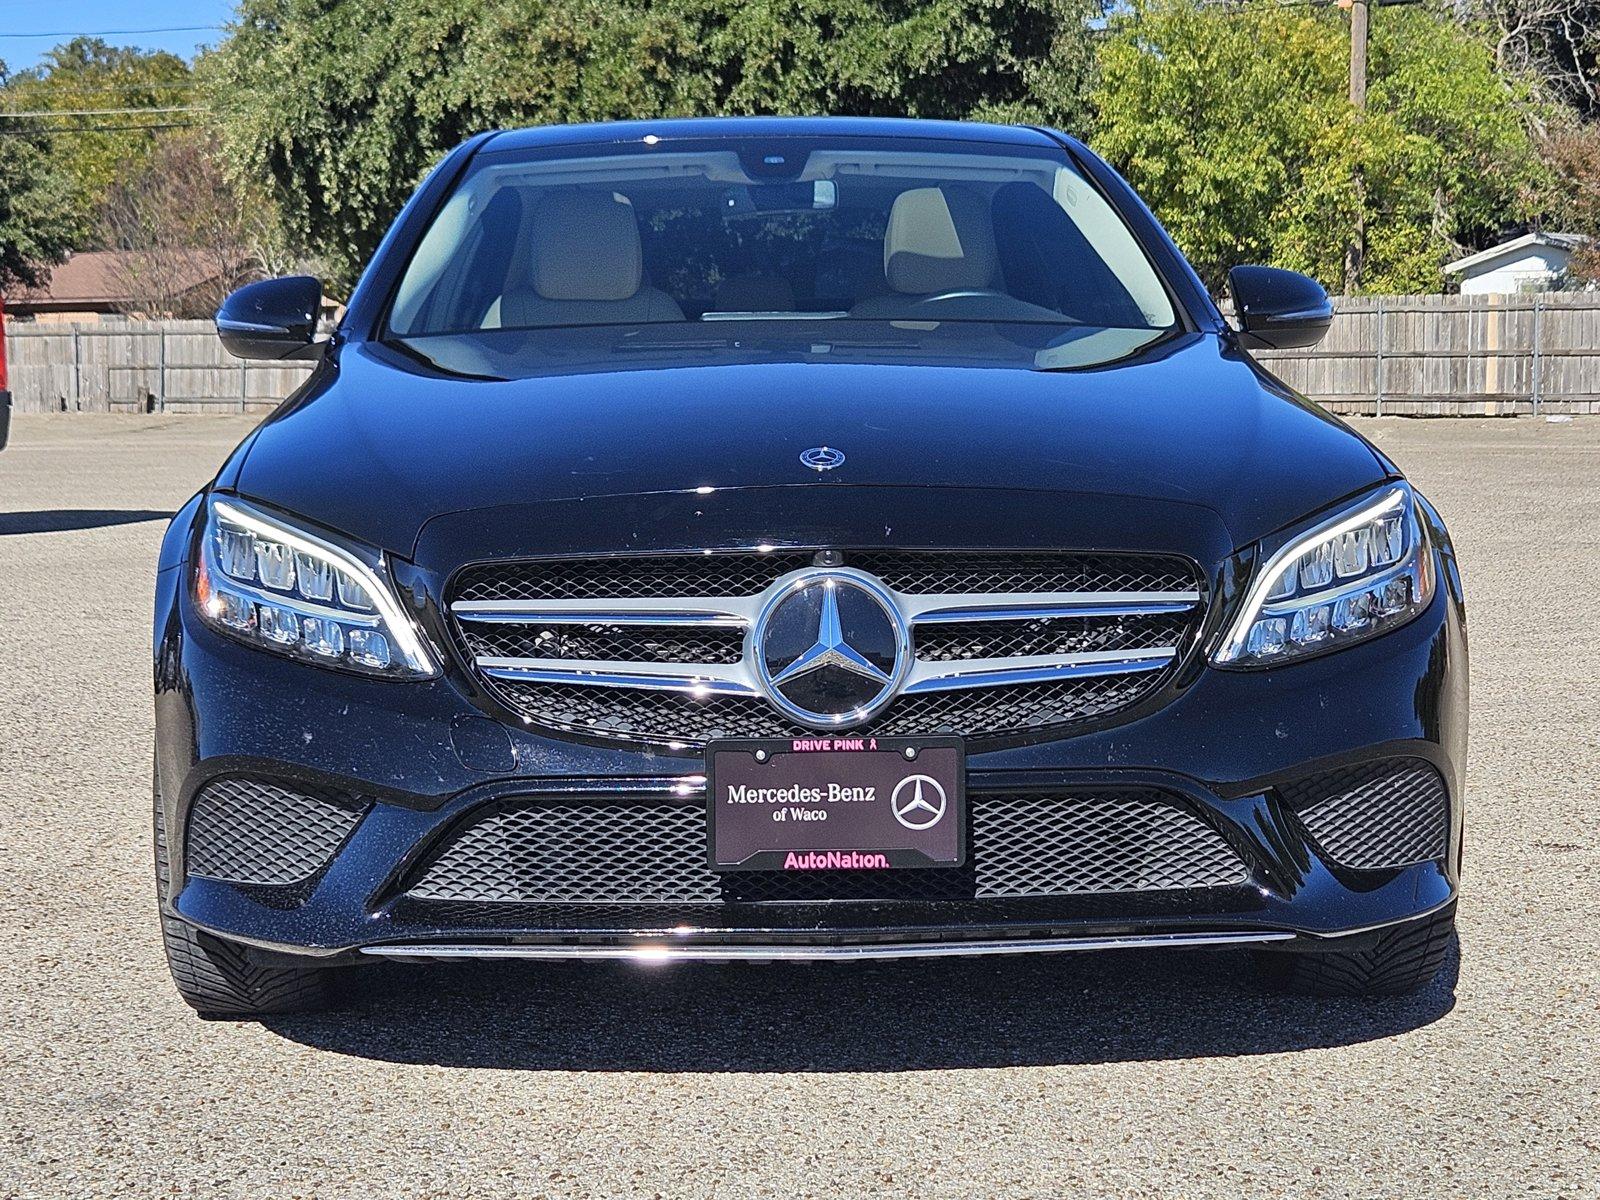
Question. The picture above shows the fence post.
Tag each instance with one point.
(1377, 402)
(1534, 381)
(244, 384)
(77, 371)
(161, 369)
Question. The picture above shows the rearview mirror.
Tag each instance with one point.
(275, 319)
(1277, 309)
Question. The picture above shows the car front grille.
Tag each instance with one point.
(1089, 634)
(1376, 816)
(674, 718)
(250, 831)
(654, 853)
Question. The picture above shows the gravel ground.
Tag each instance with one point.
(1130, 1074)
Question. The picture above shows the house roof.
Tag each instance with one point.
(1557, 241)
(95, 279)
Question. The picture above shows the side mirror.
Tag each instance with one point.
(275, 319)
(1277, 309)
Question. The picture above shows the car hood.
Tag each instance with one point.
(378, 448)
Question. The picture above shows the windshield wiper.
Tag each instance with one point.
(428, 360)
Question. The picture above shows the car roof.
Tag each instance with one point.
(680, 128)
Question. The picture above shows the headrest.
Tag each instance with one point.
(939, 240)
(586, 247)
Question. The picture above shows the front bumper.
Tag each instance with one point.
(1228, 748)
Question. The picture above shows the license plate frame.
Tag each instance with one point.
(754, 792)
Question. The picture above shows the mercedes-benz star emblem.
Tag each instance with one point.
(830, 648)
(918, 802)
(822, 458)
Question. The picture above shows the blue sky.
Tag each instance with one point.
(101, 16)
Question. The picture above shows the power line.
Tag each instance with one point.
(81, 84)
(26, 132)
(100, 112)
(77, 33)
(47, 83)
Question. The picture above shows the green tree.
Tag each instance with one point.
(1573, 151)
(340, 106)
(38, 221)
(1236, 127)
(982, 59)
(86, 75)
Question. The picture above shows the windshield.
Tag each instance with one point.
(780, 230)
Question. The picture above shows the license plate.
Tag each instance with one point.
(832, 803)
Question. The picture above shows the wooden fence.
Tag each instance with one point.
(1453, 356)
(1405, 355)
(138, 366)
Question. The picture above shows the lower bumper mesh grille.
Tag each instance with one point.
(1376, 816)
(253, 832)
(1021, 846)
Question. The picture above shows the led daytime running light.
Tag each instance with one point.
(1359, 574)
(381, 613)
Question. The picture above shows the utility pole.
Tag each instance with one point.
(1356, 251)
(1358, 53)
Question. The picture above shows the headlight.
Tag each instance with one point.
(285, 589)
(1350, 578)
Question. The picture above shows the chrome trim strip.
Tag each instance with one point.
(253, 328)
(598, 616)
(737, 610)
(1416, 916)
(1044, 612)
(1032, 668)
(647, 952)
(947, 607)
(700, 679)
(733, 611)
(734, 679)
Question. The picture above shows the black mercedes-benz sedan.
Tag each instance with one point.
(798, 539)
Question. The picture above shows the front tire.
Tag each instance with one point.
(217, 978)
(1403, 960)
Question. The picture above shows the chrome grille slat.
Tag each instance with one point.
(1057, 635)
(649, 610)
(1159, 602)
(707, 678)
(516, 613)
(741, 610)
(955, 674)
(623, 643)
(1024, 622)
(732, 680)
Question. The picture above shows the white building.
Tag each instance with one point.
(1530, 263)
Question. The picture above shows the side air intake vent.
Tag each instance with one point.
(251, 831)
(1376, 816)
